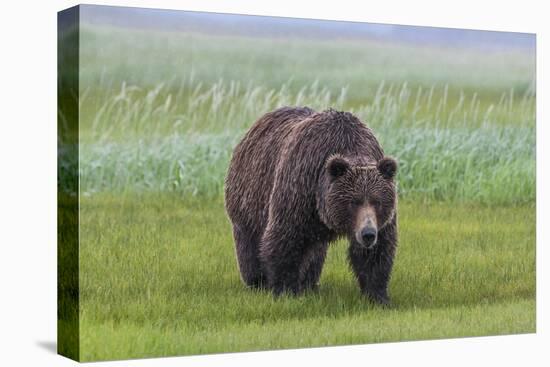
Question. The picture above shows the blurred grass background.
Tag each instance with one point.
(162, 110)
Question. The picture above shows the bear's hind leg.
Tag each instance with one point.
(246, 246)
(282, 255)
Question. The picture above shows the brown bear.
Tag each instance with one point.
(297, 181)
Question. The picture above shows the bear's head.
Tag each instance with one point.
(358, 200)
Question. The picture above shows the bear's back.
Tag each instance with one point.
(326, 133)
(252, 169)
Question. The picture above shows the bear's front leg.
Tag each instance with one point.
(282, 255)
(313, 266)
(373, 267)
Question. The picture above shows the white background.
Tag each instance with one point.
(28, 182)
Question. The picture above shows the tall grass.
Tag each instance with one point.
(162, 111)
(130, 111)
(180, 140)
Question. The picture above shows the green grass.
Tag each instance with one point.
(159, 277)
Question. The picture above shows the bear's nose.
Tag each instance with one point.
(369, 235)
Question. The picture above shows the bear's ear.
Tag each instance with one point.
(387, 167)
(337, 166)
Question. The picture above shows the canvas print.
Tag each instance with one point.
(232, 183)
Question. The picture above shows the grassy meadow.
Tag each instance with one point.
(160, 113)
(159, 277)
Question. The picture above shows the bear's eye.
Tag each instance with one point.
(375, 203)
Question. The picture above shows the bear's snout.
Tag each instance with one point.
(368, 236)
(366, 232)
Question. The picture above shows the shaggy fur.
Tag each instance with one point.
(298, 180)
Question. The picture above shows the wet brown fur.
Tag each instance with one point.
(296, 182)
